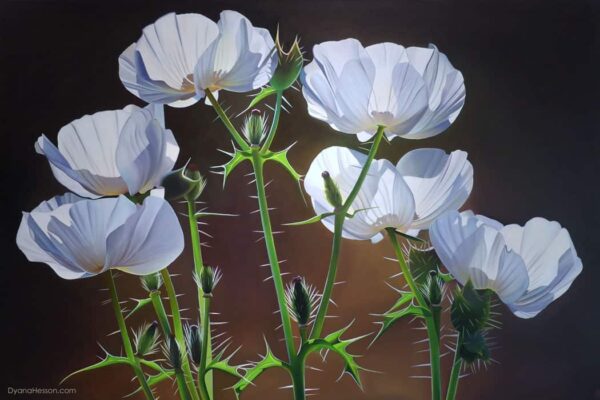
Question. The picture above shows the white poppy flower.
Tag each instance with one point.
(528, 267)
(413, 92)
(112, 152)
(80, 237)
(231, 55)
(241, 59)
(424, 184)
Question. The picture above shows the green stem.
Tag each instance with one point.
(204, 381)
(135, 363)
(297, 372)
(337, 237)
(178, 329)
(267, 145)
(258, 166)
(432, 331)
(455, 373)
(204, 354)
(159, 308)
(227, 122)
(183, 389)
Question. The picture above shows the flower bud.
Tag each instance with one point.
(173, 353)
(151, 282)
(255, 127)
(194, 342)
(145, 340)
(208, 279)
(474, 348)
(300, 299)
(332, 192)
(289, 65)
(433, 289)
(186, 182)
(470, 311)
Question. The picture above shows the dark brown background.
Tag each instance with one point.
(530, 126)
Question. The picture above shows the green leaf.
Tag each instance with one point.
(421, 262)
(221, 363)
(263, 94)
(281, 158)
(334, 342)
(236, 158)
(140, 303)
(391, 317)
(107, 361)
(312, 220)
(405, 297)
(268, 361)
(154, 380)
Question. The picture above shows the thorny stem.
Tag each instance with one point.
(204, 354)
(135, 363)
(159, 308)
(227, 122)
(204, 381)
(267, 145)
(432, 331)
(455, 373)
(178, 330)
(337, 237)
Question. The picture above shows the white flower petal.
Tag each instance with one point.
(439, 182)
(148, 241)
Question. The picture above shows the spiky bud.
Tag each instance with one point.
(433, 289)
(255, 127)
(289, 64)
(194, 342)
(152, 282)
(470, 311)
(173, 353)
(301, 300)
(332, 192)
(146, 339)
(208, 279)
(474, 348)
(185, 182)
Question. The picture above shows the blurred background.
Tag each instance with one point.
(530, 125)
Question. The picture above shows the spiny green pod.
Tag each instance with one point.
(145, 341)
(289, 65)
(185, 182)
(474, 348)
(173, 353)
(332, 192)
(208, 279)
(301, 301)
(470, 311)
(194, 342)
(255, 127)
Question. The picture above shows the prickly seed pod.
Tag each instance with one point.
(474, 348)
(151, 282)
(185, 182)
(470, 310)
(289, 65)
(332, 192)
(146, 339)
(255, 127)
(173, 353)
(194, 342)
(208, 279)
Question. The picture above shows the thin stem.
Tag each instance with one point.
(178, 329)
(455, 373)
(205, 347)
(227, 122)
(161, 314)
(204, 381)
(298, 378)
(257, 165)
(267, 145)
(135, 363)
(337, 237)
(432, 331)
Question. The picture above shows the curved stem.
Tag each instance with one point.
(337, 237)
(432, 330)
(135, 363)
(455, 374)
(227, 122)
(178, 330)
(267, 145)
(257, 165)
(205, 381)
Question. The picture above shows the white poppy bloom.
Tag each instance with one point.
(112, 152)
(527, 266)
(408, 197)
(80, 237)
(413, 92)
(231, 55)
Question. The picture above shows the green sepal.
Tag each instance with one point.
(312, 220)
(268, 361)
(334, 342)
(106, 362)
(265, 92)
(421, 263)
(140, 303)
(391, 317)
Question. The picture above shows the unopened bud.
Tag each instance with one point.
(208, 279)
(173, 353)
(145, 342)
(151, 282)
(300, 300)
(474, 348)
(289, 64)
(194, 340)
(332, 192)
(255, 127)
(433, 289)
(186, 182)
(470, 311)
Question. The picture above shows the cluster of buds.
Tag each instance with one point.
(185, 182)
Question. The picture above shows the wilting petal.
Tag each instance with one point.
(159, 67)
(446, 90)
(439, 182)
(551, 260)
(146, 152)
(241, 59)
(148, 241)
